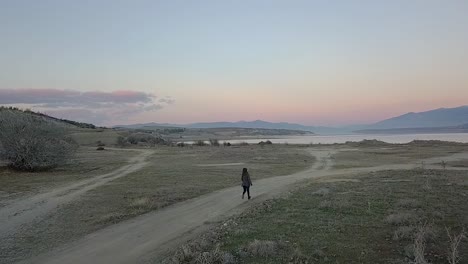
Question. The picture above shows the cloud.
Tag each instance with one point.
(167, 100)
(70, 97)
(93, 106)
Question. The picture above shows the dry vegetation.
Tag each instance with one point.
(369, 156)
(32, 143)
(173, 174)
(371, 221)
(86, 163)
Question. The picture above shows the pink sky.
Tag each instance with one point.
(310, 62)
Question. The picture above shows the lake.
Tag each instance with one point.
(330, 139)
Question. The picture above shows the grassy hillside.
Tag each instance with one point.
(65, 121)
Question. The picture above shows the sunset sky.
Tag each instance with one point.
(311, 62)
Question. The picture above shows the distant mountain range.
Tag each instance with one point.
(443, 119)
(242, 124)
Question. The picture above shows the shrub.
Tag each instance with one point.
(32, 143)
(145, 138)
(100, 148)
(214, 142)
(453, 256)
(100, 144)
(227, 144)
(199, 143)
(121, 141)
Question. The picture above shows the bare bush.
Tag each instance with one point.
(195, 254)
(32, 143)
(419, 244)
(215, 256)
(214, 142)
(121, 141)
(453, 256)
(199, 143)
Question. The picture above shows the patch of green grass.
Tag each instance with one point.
(372, 221)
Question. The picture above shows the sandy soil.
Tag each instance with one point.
(143, 238)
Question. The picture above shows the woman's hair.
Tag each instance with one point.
(244, 170)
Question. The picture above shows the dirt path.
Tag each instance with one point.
(138, 240)
(26, 210)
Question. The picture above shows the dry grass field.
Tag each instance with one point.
(171, 175)
(369, 156)
(88, 162)
(360, 217)
(382, 217)
(89, 137)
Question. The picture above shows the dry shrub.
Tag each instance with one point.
(215, 256)
(427, 185)
(262, 248)
(32, 143)
(214, 142)
(184, 254)
(200, 143)
(121, 141)
(419, 244)
(141, 203)
(191, 253)
(453, 255)
(400, 218)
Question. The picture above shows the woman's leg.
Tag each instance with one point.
(248, 192)
(245, 189)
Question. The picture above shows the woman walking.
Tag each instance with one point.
(246, 182)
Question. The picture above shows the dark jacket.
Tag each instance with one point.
(246, 179)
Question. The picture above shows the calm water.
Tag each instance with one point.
(330, 139)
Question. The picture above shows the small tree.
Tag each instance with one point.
(33, 143)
